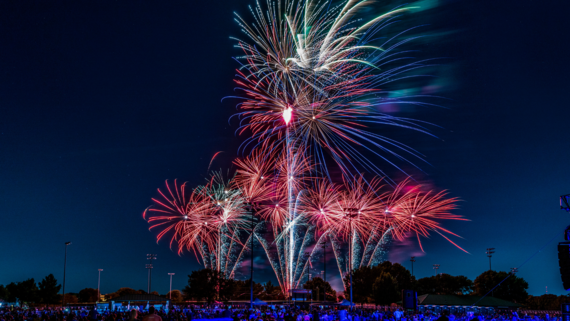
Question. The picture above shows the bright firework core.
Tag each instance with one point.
(288, 115)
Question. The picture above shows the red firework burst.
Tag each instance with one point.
(184, 214)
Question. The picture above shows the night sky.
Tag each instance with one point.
(102, 101)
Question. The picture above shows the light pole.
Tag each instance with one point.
(170, 296)
(413, 259)
(249, 207)
(324, 245)
(251, 267)
(513, 272)
(99, 285)
(64, 266)
(435, 268)
(350, 212)
(490, 251)
(150, 257)
(149, 268)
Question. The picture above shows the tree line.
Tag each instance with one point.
(209, 285)
(46, 291)
(381, 284)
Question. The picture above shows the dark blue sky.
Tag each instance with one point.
(102, 101)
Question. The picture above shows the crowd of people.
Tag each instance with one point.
(243, 313)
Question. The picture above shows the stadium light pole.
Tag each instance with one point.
(64, 266)
(150, 257)
(436, 268)
(250, 208)
(513, 272)
(413, 259)
(99, 286)
(148, 267)
(350, 213)
(490, 251)
(251, 267)
(170, 296)
(324, 245)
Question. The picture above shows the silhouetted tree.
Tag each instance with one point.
(70, 298)
(207, 284)
(48, 290)
(226, 288)
(513, 288)
(384, 289)
(4, 294)
(242, 290)
(121, 292)
(25, 291)
(12, 289)
(88, 295)
(364, 278)
(111, 296)
(319, 286)
(176, 295)
(445, 284)
(127, 291)
(270, 291)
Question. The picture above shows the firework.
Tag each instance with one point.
(207, 220)
(361, 214)
(183, 214)
(421, 213)
(318, 65)
(229, 218)
(269, 181)
(320, 206)
(313, 78)
(254, 175)
(366, 215)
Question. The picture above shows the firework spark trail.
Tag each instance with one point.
(244, 249)
(373, 258)
(307, 263)
(301, 256)
(291, 215)
(356, 250)
(229, 252)
(338, 257)
(276, 265)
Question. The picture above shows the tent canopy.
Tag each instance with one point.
(345, 303)
(259, 302)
